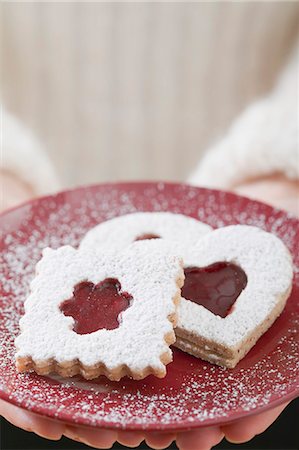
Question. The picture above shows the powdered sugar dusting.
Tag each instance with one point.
(193, 393)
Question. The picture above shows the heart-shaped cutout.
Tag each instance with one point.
(95, 307)
(216, 287)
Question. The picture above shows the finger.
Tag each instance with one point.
(70, 434)
(130, 438)
(159, 440)
(277, 190)
(97, 438)
(28, 421)
(244, 430)
(16, 190)
(200, 439)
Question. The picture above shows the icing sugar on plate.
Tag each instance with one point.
(194, 393)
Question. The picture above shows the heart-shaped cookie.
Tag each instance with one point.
(146, 276)
(237, 279)
(260, 271)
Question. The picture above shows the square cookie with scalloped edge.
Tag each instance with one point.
(94, 313)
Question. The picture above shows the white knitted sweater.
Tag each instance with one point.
(261, 141)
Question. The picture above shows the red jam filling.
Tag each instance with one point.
(143, 237)
(215, 287)
(96, 306)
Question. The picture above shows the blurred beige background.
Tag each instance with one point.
(132, 91)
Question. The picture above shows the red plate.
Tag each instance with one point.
(194, 393)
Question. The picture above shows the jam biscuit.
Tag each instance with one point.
(237, 281)
(121, 231)
(220, 269)
(101, 314)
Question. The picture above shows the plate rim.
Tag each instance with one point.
(142, 183)
(166, 428)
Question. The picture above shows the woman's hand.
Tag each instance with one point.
(14, 191)
(201, 439)
(276, 190)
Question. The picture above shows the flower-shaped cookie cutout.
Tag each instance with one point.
(238, 279)
(58, 330)
(121, 231)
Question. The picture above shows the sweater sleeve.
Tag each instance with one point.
(262, 141)
(24, 158)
